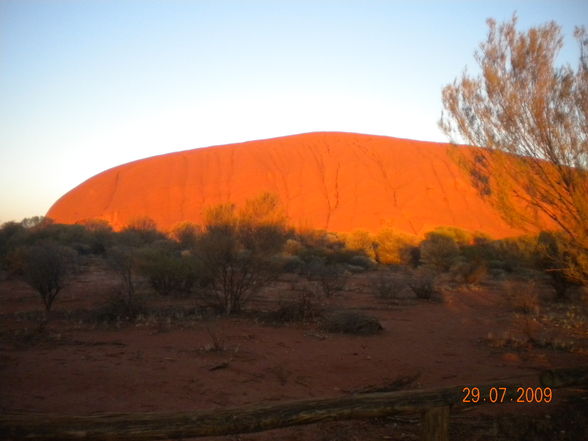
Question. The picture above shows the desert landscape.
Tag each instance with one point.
(176, 357)
(245, 308)
(257, 221)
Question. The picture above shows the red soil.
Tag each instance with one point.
(168, 366)
(334, 181)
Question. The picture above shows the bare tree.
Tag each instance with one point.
(46, 268)
(531, 118)
(123, 261)
(237, 250)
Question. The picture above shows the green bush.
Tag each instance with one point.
(459, 236)
(317, 245)
(168, 272)
(32, 231)
(516, 252)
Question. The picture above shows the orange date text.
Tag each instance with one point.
(507, 395)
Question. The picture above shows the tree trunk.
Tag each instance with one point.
(434, 403)
(221, 421)
(435, 422)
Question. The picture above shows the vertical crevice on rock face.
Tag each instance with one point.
(112, 192)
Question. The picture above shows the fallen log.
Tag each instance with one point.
(256, 418)
(159, 426)
(577, 376)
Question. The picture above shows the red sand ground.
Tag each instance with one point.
(334, 181)
(167, 366)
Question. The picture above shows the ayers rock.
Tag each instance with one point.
(328, 180)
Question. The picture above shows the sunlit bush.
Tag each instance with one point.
(394, 247)
(439, 251)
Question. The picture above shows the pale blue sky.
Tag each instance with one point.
(87, 85)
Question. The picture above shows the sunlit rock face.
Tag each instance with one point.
(333, 181)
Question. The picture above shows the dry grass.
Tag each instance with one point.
(217, 342)
(522, 296)
(561, 332)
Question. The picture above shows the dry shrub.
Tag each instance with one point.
(185, 234)
(528, 326)
(389, 286)
(351, 322)
(331, 278)
(507, 340)
(469, 273)
(527, 332)
(305, 307)
(522, 296)
(47, 268)
(516, 252)
(423, 283)
(238, 250)
(293, 247)
(217, 342)
(118, 308)
(566, 264)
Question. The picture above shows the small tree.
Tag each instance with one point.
(531, 118)
(331, 277)
(123, 261)
(46, 268)
(237, 250)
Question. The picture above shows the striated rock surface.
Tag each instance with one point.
(327, 180)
